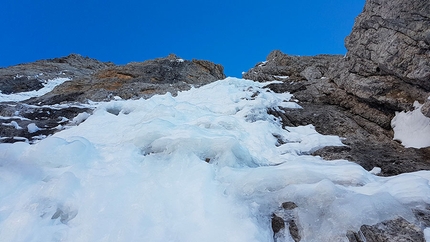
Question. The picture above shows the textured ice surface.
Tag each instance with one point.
(207, 165)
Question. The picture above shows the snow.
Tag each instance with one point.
(205, 165)
(262, 63)
(282, 77)
(412, 128)
(81, 117)
(375, 170)
(32, 128)
(48, 86)
(427, 234)
(13, 124)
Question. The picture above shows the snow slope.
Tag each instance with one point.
(48, 86)
(207, 165)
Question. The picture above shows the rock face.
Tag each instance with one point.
(387, 63)
(396, 230)
(90, 80)
(30, 76)
(136, 80)
(356, 96)
(386, 69)
(392, 38)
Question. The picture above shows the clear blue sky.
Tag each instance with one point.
(234, 33)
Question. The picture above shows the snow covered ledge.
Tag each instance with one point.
(412, 128)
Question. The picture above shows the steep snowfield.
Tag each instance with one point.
(207, 165)
(48, 86)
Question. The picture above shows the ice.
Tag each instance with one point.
(48, 86)
(13, 124)
(375, 170)
(412, 128)
(427, 234)
(207, 165)
(81, 117)
(32, 128)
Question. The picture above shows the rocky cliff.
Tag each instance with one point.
(386, 69)
(356, 96)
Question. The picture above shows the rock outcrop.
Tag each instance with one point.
(395, 230)
(356, 96)
(136, 80)
(392, 38)
(30, 76)
(90, 80)
(386, 69)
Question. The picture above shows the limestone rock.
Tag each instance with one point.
(392, 37)
(282, 67)
(426, 108)
(357, 104)
(29, 76)
(18, 118)
(90, 79)
(386, 69)
(387, 63)
(393, 230)
(136, 80)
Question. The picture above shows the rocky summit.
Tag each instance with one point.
(356, 96)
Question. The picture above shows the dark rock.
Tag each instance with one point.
(289, 205)
(366, 143)
(425, 110)
(277, 223)
(30, 76)
(17, 117)
(286, 215)
(294, 230)
(392, 230)
(15, 84)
